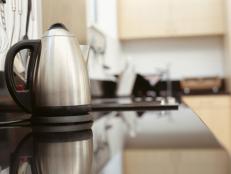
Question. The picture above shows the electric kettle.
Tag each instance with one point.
(57, 77)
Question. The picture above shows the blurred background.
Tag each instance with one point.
(171, 44)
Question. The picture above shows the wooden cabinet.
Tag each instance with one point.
(215, 111)
(169, 18)
(198, 17)
(72, 13)
(140, 19)
(175, 161)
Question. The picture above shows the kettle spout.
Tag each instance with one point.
(85, 52)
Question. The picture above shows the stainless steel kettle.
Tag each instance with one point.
(57, 80)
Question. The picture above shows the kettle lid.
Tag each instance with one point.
(58, 29)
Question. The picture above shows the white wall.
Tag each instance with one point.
(103, 13)
(189, 57)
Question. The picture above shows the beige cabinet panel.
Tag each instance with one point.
(175, 161)
(198, 17)
(72, 13)
(169, 18)
(143, 19)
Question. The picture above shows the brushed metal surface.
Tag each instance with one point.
(65, 157)
(61, 76)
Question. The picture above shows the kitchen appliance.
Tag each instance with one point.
(57, 81)
(56, 152)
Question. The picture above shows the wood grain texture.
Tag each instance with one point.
(72, 13)
(198, 17)
(215, 111)
(169, 18)
(175, 161)
(146, 18)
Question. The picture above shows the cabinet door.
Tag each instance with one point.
(197, 17)
(143, 19)
(169, 18)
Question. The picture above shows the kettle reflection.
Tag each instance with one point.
(54, 153)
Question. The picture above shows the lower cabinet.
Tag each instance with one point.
(175, 161)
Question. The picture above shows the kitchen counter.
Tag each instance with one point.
(175, 129)
(215, 111)
(133, 130)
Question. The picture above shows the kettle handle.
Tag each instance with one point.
(22, 98)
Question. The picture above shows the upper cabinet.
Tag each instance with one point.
(169, 18)
(72, 13)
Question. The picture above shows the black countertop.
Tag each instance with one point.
(174, 129)
(21, 147)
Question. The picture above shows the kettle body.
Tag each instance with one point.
(57, 77)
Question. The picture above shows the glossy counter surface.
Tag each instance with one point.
(171, 129)
(23, 150)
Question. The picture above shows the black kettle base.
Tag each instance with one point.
(61, 111)
(61, 123)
